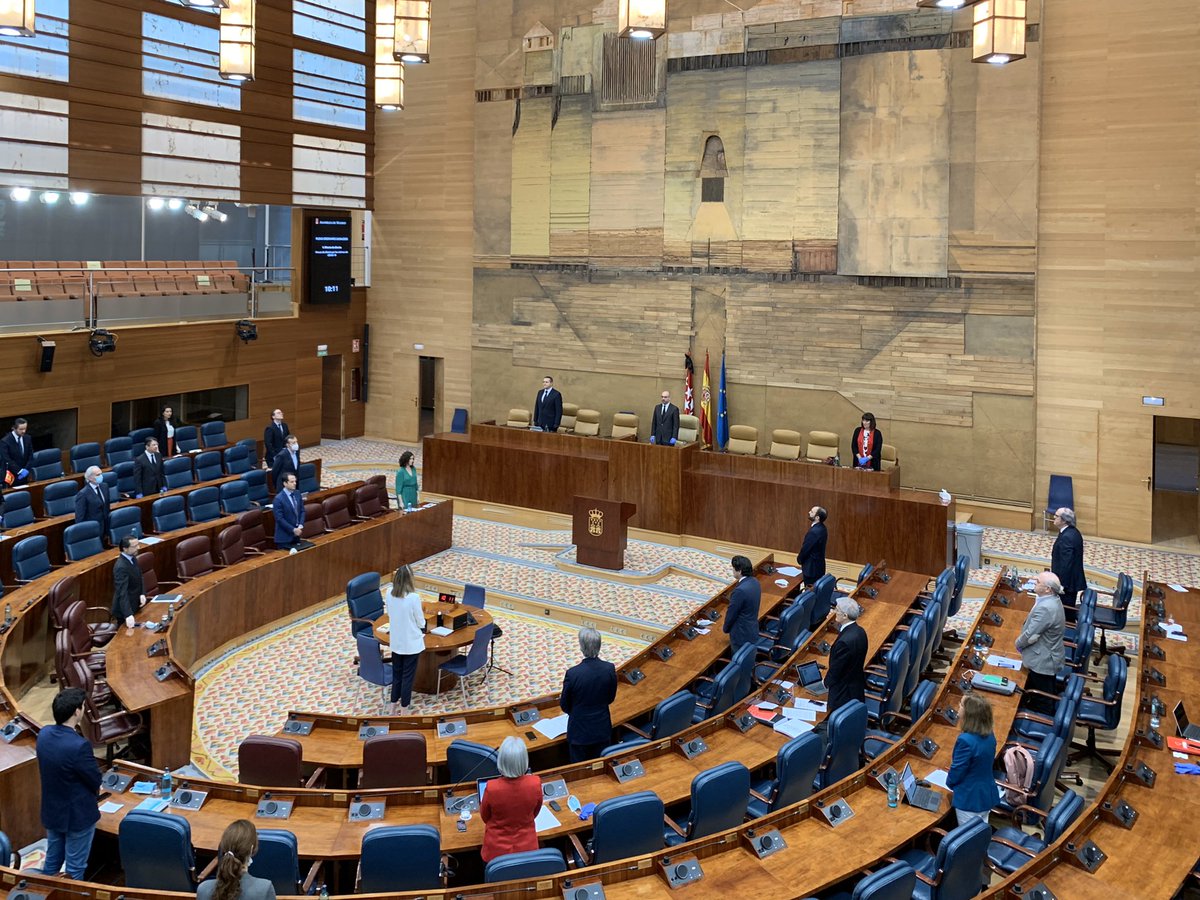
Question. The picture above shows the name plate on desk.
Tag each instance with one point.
(273, 808)
(296, 726)
(367, 730)
(187, 798)
(367, 810)
(452, 728)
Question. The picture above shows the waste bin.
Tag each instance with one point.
(970, 543)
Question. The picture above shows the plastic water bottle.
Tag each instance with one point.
(893, 790)
(324, 895)
(165, 782)
(7, 613)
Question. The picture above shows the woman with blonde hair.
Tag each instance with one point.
(407, 619)
(238, 845)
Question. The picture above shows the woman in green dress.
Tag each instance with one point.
(406, 481)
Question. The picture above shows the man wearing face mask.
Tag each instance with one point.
(287, 460)
(812, 552)
(91, 502)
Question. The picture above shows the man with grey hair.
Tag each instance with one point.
(846, 679)
(587, 691)
(1066, 557)
(91, 503)
(1041, 644)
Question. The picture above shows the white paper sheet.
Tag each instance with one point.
(937, 778)
(441, 632)
(802, 714)
(110, 807)
(1178, 588)
(1004, 662)
(792, 727)
(702, 631)
(704, 623)
(553, 727)
(545, 820)
(804, 703)
(789, 571)
(149, 539)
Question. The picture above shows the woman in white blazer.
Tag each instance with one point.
(407, 635)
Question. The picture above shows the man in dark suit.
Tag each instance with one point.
(846, 679)
(91, 502)
(289, 513)
(587, 691)
(1066, 557)
(70, 787)
(274, 437)
(287, 460)
(664, 424)
(16, 450)
(741, 618)
(129, 591)
(812, 551)
(547, 406)
(148, 470)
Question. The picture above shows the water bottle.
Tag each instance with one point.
(893, 790)
(324, 895)
(1156, 710)
(165, 782)
(7, 613)
(171, 612)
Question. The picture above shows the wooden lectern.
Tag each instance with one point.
(599, 529)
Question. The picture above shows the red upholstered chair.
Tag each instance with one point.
(62, 594)
(79, 639)
(64, 665)
(193, 558)
(99, 727)
(231, 548)
(366, 503)
(254, 533)
(380, 482)
(394, 761)
(336, 511)
(274, 762)
(150, 581)
(314, 521)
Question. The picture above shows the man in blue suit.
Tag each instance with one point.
(587, 691)
(741, 619)
(289, 513)
(287, 460)
(91, 502)
(70, 787)
(547, 406)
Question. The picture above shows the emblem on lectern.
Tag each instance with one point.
(595, 522)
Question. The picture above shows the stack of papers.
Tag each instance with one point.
(154, 804)
(552, 728)
(703, 623)
(441, 631)
(1004, 662)
(800, 713)
(1174, 631)
(789, 571)
(545, 820)
(792, 727)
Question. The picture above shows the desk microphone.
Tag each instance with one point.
(457, 805)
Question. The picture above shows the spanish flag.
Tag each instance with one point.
(706, 424)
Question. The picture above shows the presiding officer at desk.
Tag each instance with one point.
(547, 406)
(510, 804)
(129, 590)
(289, 513)
(741, 618)
(148, 470)
(588, 689)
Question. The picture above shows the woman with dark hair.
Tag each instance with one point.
(741, 618)
(164, 430)
(238, 845)
(406, 481)
(867, 444)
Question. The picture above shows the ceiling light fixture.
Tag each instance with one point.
(20, 194)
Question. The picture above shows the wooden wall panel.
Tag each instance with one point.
(531, 182)
(627, 187)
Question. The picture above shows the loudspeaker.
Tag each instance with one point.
(270, 808)
(1153, 675)
(664, 652)
(163, 672)
(114, 782)
(366, 730)
(186, 798)
(594, 891)
(295, 726)
(763, 843)
(1038, 892)
(452, 728)
(526, 716)
(634, 675)
(744, 721)
(1151, 737)
(628, 770)
(21, 892)
(925, 746)
(553, 789)
(13, 730)
(367, 810)
(681, 872)
(835, 812)
(1141, 772)
(455, 805)
(1153, 651)
(46, 357)
(689, 633)
(691, 747)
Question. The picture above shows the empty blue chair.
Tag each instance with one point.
(719, 798)
(400, 858)
(886, 695)
(251, 446)
(208, 466)
(235, 497)
(530, 864)
(469, 663)
(256, 484)
(84, 455)
(893, 882)
(46, 464)
(124, 520)
(371, 667)
(778, 635)
(918, 637)
(204, 504)
(822, 601)
(212, 434)
(879, 739)
(306, 478)
(467, 759)
(721, 694)
(177, 471)
(364, 601)
(1103, 713)
(18, 509)
(1115, 616)
(796, 766)
(59, 498)
(168, 514)
(109, 480)
(623, 827)
(82, 540)
(1011, 848)
(954, 871)
(1061, 493)
(278, 860)
(458, 424)
(847, 729)
(30, 558)
(126, 473)
(118, 449)
(474, 596)
(237, 460)
(670, 716)
(156, 851)
(138, 438)
(186, 439)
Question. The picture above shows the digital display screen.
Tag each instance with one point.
(328, 257)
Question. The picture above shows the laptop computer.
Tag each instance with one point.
(915, 794)
(809, 674)
(1183, 727)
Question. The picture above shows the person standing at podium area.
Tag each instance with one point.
(547, 406)
(866, 446)
(741, 618)
(1066, 556)
(1041, 644)
(812, 552)
(664, 424)
(587, 691)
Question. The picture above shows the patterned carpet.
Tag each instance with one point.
(308, 665)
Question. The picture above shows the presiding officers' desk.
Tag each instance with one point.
(686, 490)
(439, 648)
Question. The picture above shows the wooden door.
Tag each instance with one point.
(1124, 477)
(333, 392)
(407, 397)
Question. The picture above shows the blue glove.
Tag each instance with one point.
(672, 442)
(137, 496)
(1187, 769)
(652, 440)
(22, 473)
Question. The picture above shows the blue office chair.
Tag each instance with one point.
(126, 473)
(467, 759)
(847, 729)
(1060, 494)
(954, 871)
(237, 460)
(235, 497)
(208, 466)
(1011, 848)
(670, 716)
(719, 798)
(204, 504)
(124, 520)
(1114, 617)
(178, 472)
(622, 827)
(278, 860)
(474, 596)
(796, 766)
(400, 858)
(624, 746)
(109, 480)
(530, 864)
(306, 478)
(138, 437)
(458, 424)
(1031, 729)
(167, 514)
(918, 638)
(364, 601)
(371, 666)
(30, 558)
(893, 882)
(256, 485)
(881, 738)
(46, 464)
(1103, 713)
(721, 693)
(251, 446)
(82, 540)
(18, 509)
(777, 640)
(118, 449)
(822, 601)
(186, 439)
(1048, 763)
(7, 856)
(59, 498)
(84, 455)
(887, 696)
(465, 665)
(212, 434)
(156, 851)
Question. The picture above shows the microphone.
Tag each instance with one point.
(453, 805)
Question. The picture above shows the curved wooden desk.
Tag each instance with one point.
(438, 647)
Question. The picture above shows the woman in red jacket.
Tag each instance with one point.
(510, 804)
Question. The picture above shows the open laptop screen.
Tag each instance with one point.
(908, 780)
(1181, 719)
(810, 673)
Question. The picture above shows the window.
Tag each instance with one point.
(47, 54)
(342, 23)
(180, 61)
(225, 404)
(330, 91)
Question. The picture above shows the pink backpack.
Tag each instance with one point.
(1018, 770)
